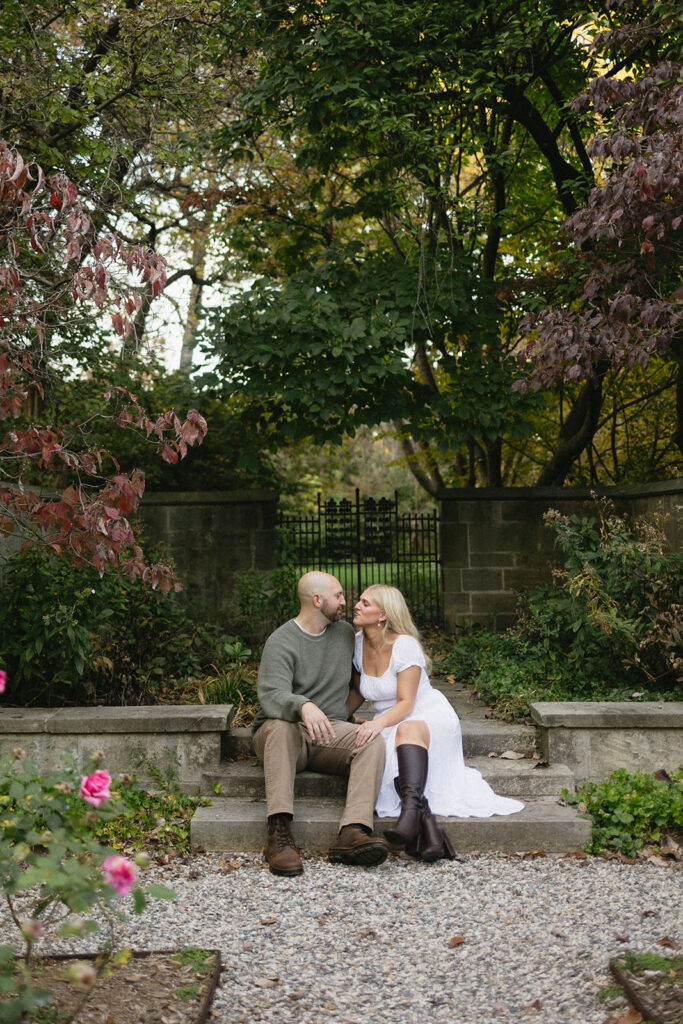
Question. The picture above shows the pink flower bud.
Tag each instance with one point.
(82, 974)
(119, 872)
(31, 929)
(95, 788)
(3, 680)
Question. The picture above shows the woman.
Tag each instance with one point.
(424, 769)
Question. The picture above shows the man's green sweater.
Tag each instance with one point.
(297, 667)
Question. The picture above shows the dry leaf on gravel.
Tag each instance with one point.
(669, 943)
(266, 982)
(457, 940)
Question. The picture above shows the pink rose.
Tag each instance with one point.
(3, 680)
(119, 872)
(95, 788)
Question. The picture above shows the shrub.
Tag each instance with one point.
(610, 628)
(69, 635)
(266, 599)
(55, 874)
(630, 810)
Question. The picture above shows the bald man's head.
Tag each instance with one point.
(322, 592)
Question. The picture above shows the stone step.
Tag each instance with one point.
(508, 778)
(480, 737)
(239, 824)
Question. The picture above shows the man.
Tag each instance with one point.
(303, 687)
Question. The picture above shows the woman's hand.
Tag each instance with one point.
(367, 732)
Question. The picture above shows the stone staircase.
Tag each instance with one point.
(236, 818)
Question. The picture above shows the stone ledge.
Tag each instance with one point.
(207, 497)
(595, 737)
(145, 718)
(657, 489)
(608, 714)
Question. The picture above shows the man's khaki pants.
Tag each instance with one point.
(285, 748)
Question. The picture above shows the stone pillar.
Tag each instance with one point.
(494, 542)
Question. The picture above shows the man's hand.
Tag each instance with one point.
(317, 723)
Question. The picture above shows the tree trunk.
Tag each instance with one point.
(577, 432)
(677, 352)
(420, 461)
(201, 241)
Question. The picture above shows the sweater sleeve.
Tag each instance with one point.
(275, 682)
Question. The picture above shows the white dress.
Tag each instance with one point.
(452, 788)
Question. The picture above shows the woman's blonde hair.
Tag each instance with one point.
(392, 603)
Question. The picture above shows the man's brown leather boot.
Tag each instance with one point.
(280, 852)
(356, 845)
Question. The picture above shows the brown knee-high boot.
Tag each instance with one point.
(413, 762)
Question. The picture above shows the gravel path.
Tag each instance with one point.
(369, 946)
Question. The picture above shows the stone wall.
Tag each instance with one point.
(593, 738)
(211, 536)
(179, 741)
(494, 542)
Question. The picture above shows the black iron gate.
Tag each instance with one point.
(366, 542)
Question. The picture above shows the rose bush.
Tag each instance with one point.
(54, 874)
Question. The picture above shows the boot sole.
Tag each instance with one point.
(396, 839)
(367, 855)
(286, 872)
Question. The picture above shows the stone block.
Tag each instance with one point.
(455, 545)
(457, 603)
(485, 559)
(479, 511)
(523, 511)
(482, 579)
(496, 537)
(158, 718)
(493, 604)
(452, 581)
(593, 753)
(25, 720)
(521, 579)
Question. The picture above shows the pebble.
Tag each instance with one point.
(364, 946)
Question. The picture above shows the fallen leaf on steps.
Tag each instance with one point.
(512, 755)
(670, 848)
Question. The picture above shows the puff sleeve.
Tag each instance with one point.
(406, 653)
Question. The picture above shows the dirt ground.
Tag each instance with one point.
(657, 995)
(154, 988)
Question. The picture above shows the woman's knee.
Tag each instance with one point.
(414, 731)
